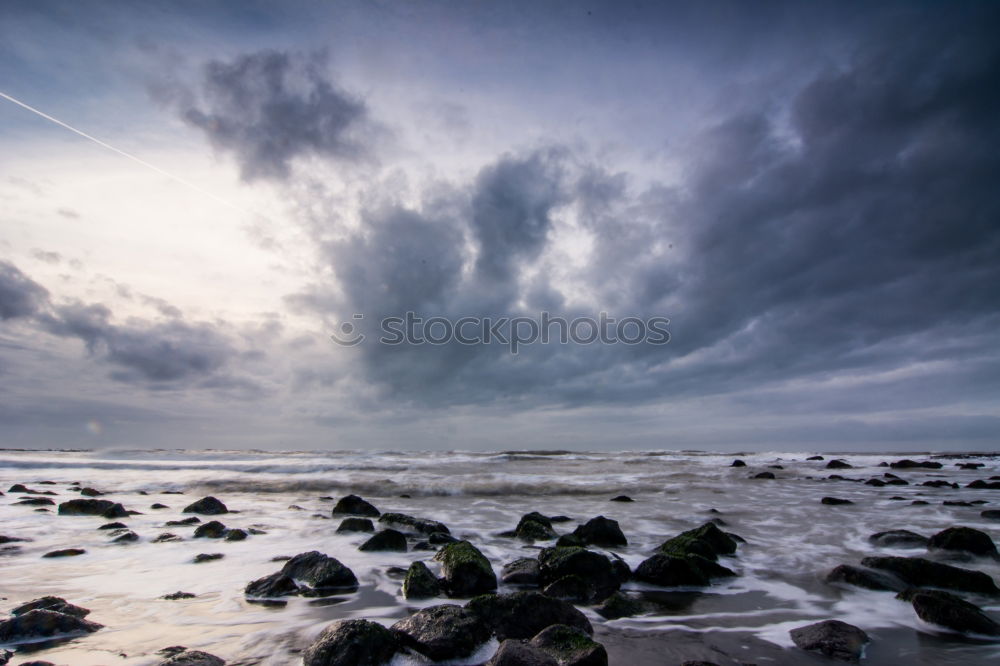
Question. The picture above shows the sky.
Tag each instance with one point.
(201, 194)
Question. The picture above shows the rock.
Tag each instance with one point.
(40, 623)
(707, 541)
(815, 458)
(321, 573)
(522, 571)
(352, 643)
(36, 501)
(440, 538)
(126, 537)
(763, 475)
(87, 507)
(670, 571)
(839, 464)
(984, 485)
(622, 498)
(991, 514)
(899, 539)
(866, 578)
(207, 506)
(593, 568)
(420, 583)
(738, 463)
(210, 530)
(65, 552)
(533, 527)
(571, 588)
(353, 505)
(956, 503)
(443, 632)
(970, 465)
(918, 503)
(518, 653)
(835, 501)
(117, 511)
(235, 535)
(601, 531)
(524, 614)
(57, 604)
(90, 492)
(919, 572)
(414, 525)
(355, 525)
(947, 610)
(940, 483)
(174, 596)
(570, 646)
(9, 539)
(271, 587)
(465, 570)
(387, 539)
(19, 488)
(193, 520)
(621, 569)
(620, 605)
(964, 540)
(878, 483)
(192, 658)
(157, 505)
(113, 526)
(833, 638)
(207, 557)
(911, 464)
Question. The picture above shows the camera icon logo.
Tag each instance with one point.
(348, 336)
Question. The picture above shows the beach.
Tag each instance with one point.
(283, 503)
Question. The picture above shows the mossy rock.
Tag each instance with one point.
(420, 583)
(466, 571)
(570, 646)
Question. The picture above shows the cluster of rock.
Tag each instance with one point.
(399, 529)
(311, 574)
(47, 617)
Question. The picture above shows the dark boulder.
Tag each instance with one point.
(919, 572)
(36, 501)
(207, 557)
(413, 525)
(763, 475)
(620, 605)
(815, 458)
(352, 643)
(321, 573)
(465, 571)
(443, 632)
(271, 587)
(984, 485)
(65, 552)
(533, 527)
(387, 539)
(57, 604)
(86, 507)
(157, 505)
(524, 614)
(670, 571)
(90, 492)
(707, 541)
(176, 596)
(571, 588)
(878, 483)
(899, 539)
(839, 464)
(210, 530)
(192, 658)
(738, 463)
(570, 646)
(834, 501)
(913, 464)
(20, 488)
(207, 506)
(593, 568)
(601, 531)
(970, 465)
(866, 578)
(355, 525)
(947, 610)
(522, 571)
(518, 653)
(622, 498)
(167, 537)
(41, 623)
(420, 583)
(352, 505)
(832, 638)
(990, 514)
(964, 540)
(939, 483)
(193, 520)
(236, 535)
(128, 536)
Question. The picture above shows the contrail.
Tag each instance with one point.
(121, 152)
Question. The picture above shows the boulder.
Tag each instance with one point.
(834, 501)
(571, 588)
(763, 475)
(320, 573)
(593, 568)
(524, 614)
(41, 623)
(601, 531)
(36, 501)
(193, 520)
(622, 498)
(271, 587)
(352, 643)
(707, 541)
(899, 539)
(206, 506)
(947, 610)
(157, 505)
(355, 525)
(414, 525)
(939, 483)
(620, 605)
(65, 552)
(176, 596)
(518, 653)
(839, 464)
(964, 540)
(236, 535)
(207, 557)
(832, 638)
(919, 572)
(984, 485)
(912, 464)
(866, 578)
(522, 571)
(387, 539)
(192, 658)
(878, 483)
(167, 537)
(990, 514)
(738, 463)
(533, 527)
(815, 458)
(86, 507)
(128, 536)
(670, 571)
(443, 632)
(420, 583)
(570, 646)
(57, 604)
(90, 492)
(353, 505)
(210, 530)
(466, 571)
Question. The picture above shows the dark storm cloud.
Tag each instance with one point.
(269, 107)
(20, 296)
(853, 226)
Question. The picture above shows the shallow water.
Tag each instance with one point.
(793, 540)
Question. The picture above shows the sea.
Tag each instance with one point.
(792, 541)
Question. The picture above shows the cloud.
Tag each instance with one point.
(20, 296)
(270, 107)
